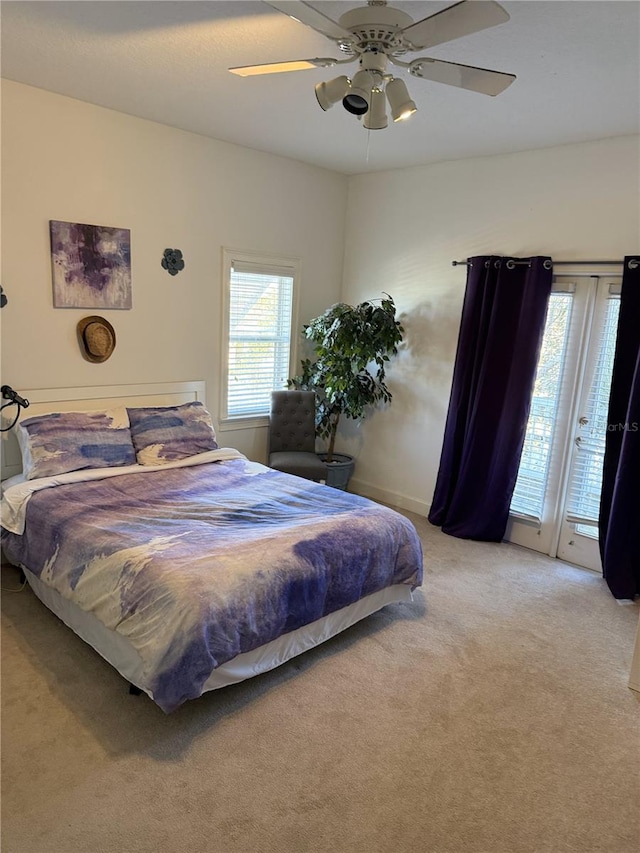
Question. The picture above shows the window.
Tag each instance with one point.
(258, 317)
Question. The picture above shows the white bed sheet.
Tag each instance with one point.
(117, 650)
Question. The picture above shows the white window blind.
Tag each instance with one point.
(586, 476)
(259, 336)
(533, 473)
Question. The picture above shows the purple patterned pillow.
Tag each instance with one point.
(164, 433)
(72, 441)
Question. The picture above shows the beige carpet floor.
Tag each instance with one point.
(491, 715)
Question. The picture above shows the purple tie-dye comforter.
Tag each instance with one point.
(200, 564)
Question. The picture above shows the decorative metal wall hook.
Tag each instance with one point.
(172, 261)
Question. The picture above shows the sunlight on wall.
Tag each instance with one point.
(403, 230)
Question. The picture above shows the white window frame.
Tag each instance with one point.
(258, 259)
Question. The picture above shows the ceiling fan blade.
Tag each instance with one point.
(301, 11)
(464, 76)
(277, 67)
(461, 19)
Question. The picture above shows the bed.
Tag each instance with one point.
(186, 565)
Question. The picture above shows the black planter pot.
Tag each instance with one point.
(339, 470)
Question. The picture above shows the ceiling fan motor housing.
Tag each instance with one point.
(376, 24)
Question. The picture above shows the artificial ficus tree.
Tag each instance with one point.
(351, 347)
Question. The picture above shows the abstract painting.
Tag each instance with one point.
(91, 266)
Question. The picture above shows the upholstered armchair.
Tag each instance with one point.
(292, 435)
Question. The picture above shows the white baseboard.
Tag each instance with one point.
(367, 490)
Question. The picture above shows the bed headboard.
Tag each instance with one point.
(45, 400)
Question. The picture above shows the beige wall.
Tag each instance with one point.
(68, 160)
(404, 228)
(63, 159)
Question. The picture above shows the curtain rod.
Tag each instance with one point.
(633, 263)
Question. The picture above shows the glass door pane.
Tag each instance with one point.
(556, 501)
(578, 541)
(535, 501)
(531, 485)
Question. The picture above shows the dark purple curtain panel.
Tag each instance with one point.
(503, 318)
(619, 523)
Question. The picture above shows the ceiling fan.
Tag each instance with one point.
(377, 35)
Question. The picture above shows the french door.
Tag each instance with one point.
(556, 500)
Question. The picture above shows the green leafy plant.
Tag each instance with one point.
(352, 345)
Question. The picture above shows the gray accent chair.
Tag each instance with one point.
(292, 435)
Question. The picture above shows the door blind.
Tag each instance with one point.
(529, 493)
(585, 483)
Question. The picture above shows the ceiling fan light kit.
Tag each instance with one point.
(376, 117)
(356, 101)
(329, 93)
(402, 107)
(376, 35)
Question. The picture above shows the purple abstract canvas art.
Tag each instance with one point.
(91, 266)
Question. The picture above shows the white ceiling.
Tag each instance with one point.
(577, 64)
